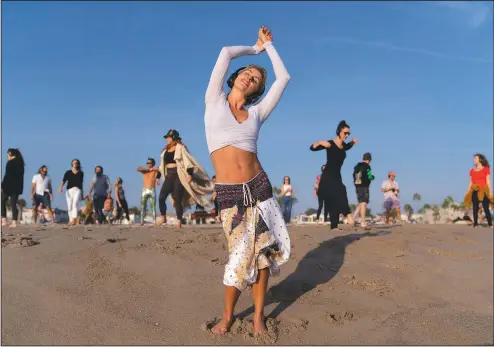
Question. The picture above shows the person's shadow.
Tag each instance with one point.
(317, 267)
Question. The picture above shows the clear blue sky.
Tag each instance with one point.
(104, 81)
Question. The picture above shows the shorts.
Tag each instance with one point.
(363, 194)
(391, 203)
(42, 199)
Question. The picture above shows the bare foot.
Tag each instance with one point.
(336, 229)
(223, 326)
(14, 224)
(161, 221)
(4, 222)
(350, 220)
(179, 224)
(260, 326)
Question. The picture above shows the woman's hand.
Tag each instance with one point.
(264, 35)
(189, 179)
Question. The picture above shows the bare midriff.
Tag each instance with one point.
(234, 165)
(149, 179)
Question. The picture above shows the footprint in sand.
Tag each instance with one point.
(19, 241)
(340, 318)
(378, 286)
(275, 328)
(221, 262)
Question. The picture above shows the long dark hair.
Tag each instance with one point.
(289, 180)
(15, 152)
(483, 160)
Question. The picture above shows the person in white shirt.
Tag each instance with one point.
(258, 239)
(287, 199)
(391, 189)
(42, 193)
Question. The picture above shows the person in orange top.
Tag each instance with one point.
(480, 176)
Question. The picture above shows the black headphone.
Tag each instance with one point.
(251, 99)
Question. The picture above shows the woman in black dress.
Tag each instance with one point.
(331, 187)
(12, 184)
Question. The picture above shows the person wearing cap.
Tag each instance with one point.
(362, 178)
(391, 189)
(184, 178)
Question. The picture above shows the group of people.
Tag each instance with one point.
(253, 222)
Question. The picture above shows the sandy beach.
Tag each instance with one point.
(411, 284)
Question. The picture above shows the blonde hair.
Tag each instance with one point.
(263, 72)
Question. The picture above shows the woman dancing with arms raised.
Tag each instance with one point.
(258, 240)
(331, 187)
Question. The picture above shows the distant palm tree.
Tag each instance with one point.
(436, 212)
(409, 210)
(310, 211)
(455, 207)
(417, 197)
(462, 207)
(21, 203)
(426, 207)
(448, 201)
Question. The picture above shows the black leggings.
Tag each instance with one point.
(13, 205)
(173, 186)
(485, 206)
(320, 200)
(334, 212)
(124, 208)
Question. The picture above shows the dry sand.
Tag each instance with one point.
(416, 284)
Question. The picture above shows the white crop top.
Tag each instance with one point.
(222, 129)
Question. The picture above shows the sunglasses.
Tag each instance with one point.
(347, 133)
(149, 163)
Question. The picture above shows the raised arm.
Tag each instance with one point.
(217, 79)
(320, 145)
(269, 102)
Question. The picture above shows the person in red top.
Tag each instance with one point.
(480, 176)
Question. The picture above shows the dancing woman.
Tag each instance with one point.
(184, 178)
(258, 240)
(122, 205)
(74, 179)
(12, 184)
(479, 190)
(331, 187)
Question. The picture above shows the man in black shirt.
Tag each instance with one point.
(362, 178)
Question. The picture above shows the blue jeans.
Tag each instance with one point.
(287, 208)
(99, 202)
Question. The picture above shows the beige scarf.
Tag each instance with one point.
(201, 184)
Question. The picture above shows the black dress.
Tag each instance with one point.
(331, 187)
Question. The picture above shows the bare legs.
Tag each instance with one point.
(231, 297)
(362, 208)
(259, 294)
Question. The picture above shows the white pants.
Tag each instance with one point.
(73, 198)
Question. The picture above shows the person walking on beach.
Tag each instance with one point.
(287, 192)
(184, 178)
(391, 190)
(12, 184)
(258, 240)
(42, 192)
(122, 205)
(479, 190)
(74, 194)
(150, 176)
(362, 178)
(319, 198)
(101, 185)
(331, 187)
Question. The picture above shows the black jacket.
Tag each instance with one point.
(13, 181)
(362, 175)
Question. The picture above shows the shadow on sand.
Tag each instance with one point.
(317, 267)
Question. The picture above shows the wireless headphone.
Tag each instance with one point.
(251, 99)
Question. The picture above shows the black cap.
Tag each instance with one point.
(173, 134)
(367, 156)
